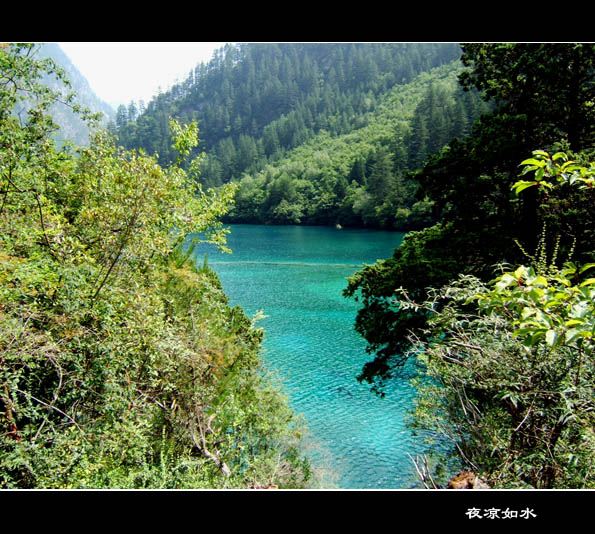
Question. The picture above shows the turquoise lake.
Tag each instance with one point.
(295, 275)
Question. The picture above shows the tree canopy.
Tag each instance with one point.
(318, 115)
(469, 185)
(503, 361)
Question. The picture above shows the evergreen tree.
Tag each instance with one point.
(381, 181)
(121, 116)
(132, 111)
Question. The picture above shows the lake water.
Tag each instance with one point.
(295, 275)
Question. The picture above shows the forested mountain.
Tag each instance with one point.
(315, 133)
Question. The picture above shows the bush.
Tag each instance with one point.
(510, 368)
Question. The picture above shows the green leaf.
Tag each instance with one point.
(580, 310)
(533, 161)
(551, 336)
(586, 266)
(541, 153)
(546, 184)
(527, 170)
(536, 294)
(505, 281)
(540, 280)
(551, 303)
(573, 322)
(571, 168)
(572, 335)
(522, 185)
(534, 339)
(521, 272)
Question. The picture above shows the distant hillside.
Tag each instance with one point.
(71, 126)
(315, 133)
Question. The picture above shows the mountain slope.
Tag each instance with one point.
(257, 105)
(71, 126)
(361, 178)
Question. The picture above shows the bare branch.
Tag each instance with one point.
(424, 472)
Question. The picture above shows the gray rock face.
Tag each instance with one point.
(71, 126)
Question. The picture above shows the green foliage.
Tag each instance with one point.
(280, 95)
(517, 404)
(360, 177)
(321, 115)
(426, 258)
(546, 168)
(121, 364)
(551, 84)
(509, 364)
(469, 189)
(565, 199)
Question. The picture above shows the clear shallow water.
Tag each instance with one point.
(295, 275)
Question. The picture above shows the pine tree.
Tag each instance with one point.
(121, 116)
(381, 181)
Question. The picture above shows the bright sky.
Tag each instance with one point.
(121, 72)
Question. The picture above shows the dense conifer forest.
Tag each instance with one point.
(315, 133)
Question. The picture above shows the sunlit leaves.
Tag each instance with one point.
(544, 307)
(185, 138)
(516, 371)
(550, 171)
(515, 357)
(564, 304)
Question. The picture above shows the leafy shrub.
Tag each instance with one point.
(510, 369)
(121, 364)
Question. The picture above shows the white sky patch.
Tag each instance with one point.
(121, 72)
